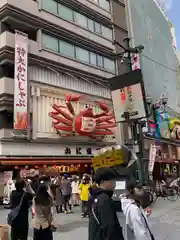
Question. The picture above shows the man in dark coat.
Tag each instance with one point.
(103, 221)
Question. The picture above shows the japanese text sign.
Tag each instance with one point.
(20, 81)
(108, 158)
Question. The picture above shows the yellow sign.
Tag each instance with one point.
(108, 159)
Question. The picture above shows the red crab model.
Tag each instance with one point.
(84, 123)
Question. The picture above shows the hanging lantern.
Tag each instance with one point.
(16, 167)
(26, 167)
(36, 167)
(45, 166)
(79, 165)
(86, 165)
(72, 165)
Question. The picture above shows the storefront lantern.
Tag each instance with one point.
(16, 167)
(86, 165)
(79, 165)
(26, 167)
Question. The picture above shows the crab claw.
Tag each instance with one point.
(102, 106)
(73, 98)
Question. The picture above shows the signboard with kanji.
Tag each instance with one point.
(108, 157)
(20, 81)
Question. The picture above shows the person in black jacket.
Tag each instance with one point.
(20, 226)
(103, 221)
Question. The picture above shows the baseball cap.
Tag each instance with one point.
(104, 174)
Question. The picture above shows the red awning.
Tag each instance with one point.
(12, 162)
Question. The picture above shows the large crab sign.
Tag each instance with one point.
(84, 123)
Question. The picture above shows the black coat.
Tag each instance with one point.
(105, 210)
(22, 218)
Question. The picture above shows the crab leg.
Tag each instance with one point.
(60, 119)
(103, 119)
(63, 128)
(59, 110)
(70, 108)
(103, 126)
(103, 133)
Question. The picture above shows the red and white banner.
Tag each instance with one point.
(152, 157)
(20, 81)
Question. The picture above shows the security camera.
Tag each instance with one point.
(164, 99)
(149, 100)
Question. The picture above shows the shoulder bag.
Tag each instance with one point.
(12, 215)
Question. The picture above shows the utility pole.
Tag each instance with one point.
(136, 125)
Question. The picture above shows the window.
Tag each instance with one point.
(67, 49)
(91, 25)
(109, 65)
(65, 12)
(50, 43)
(81, 20)
(97, 28)
(104, 4)
(93, 58)
(70, 50)
(106, 32)
(50, 6)
(82, 54)
(99, 61)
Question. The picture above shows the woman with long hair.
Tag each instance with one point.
(42, 222)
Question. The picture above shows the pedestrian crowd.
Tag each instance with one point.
(94, 194)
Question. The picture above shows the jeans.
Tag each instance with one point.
(43, 234)
(66, 199)
(85, 208)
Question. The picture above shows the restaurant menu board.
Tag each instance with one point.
(108, 157)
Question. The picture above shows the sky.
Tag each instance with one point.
(172, 8)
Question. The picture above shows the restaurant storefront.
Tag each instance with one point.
(164, 134)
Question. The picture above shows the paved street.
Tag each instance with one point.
(165, 221)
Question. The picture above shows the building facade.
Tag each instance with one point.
(150, 27)
(70, 51)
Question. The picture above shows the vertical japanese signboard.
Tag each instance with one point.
(21, 85)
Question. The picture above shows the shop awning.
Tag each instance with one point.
(167, 161)
(12, 162)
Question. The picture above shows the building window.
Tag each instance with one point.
(50, 6)
(91, 25)
(67, 49)
(81, 20)
(106, 32)
(100, 61)
(93, 58)
(72, 16)
(104, 4)
(82, 54)
(65, 12)
(70, 50)
(97, 28)
(50, 43)
(109, 65)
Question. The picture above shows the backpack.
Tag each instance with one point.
(12, 215)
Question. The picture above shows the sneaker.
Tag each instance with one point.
(70, 211)
(66, 212)
(82, 216)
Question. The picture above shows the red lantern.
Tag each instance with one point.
(26, 167)
(72, 165)
(16, 167)
(36, 167)
(79, 165)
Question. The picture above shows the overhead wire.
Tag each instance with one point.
(161, 64)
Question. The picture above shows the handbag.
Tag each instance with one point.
(12, 215)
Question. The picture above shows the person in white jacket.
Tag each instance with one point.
(137, 226)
